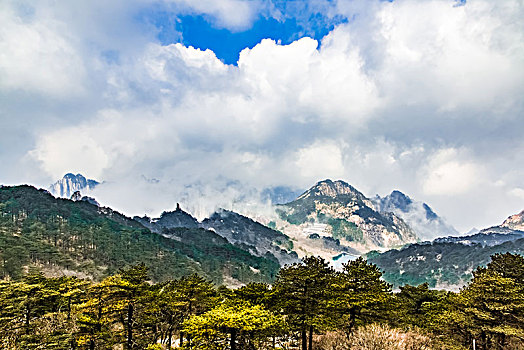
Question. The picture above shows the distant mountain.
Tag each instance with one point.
(71, 183)
(418, 215)
(487, 237)
(280, 194)
(169, 219)
(347, 215)
(515, 222)
(252, 236)
(448, 262)
(61, 236)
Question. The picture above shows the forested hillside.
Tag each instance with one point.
(309, 307)
(444, 263)
(78, 238)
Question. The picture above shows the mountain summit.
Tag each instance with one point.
(348, 216)
(418, 215)
(70, 183)
(515, 222)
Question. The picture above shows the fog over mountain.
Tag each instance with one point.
(425, 96)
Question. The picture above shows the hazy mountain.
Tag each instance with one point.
(418, 215)
(237, 229)
(71, 183)
(280, 194)
(344, 213)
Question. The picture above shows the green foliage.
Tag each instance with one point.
(37, 229)
(361, 294)
(302, 294)
(344, 229)
(133, 305)
(438, 264)
(239, 325)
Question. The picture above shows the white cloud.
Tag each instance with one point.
(232, 14)
(449, 174)
(37, 55)
(517, 192)
(420, 96)
(320, 160)
(71, 150)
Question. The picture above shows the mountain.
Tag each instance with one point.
(515, 222)
(65, 237)
(342, 212)
(418, 215)
(280, 194)
(443, 265)
(237, 229)
(169, 219)
(487, 237)
(448, 262)
(71, 183)
(252, 236)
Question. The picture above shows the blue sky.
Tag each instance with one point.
(296, 20)
(420, 96)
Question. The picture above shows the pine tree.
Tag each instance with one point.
(361, 294)
(302, 295)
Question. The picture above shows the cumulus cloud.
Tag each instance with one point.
(424, 97)
(450, 174)
(37, 55)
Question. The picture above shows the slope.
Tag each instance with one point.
(65, 237)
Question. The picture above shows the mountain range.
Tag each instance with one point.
(61, 236)
(332, 219)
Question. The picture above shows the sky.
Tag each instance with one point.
(209, 102)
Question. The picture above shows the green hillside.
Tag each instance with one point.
(440, 265)
(61, 236)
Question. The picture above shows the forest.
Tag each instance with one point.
(309, 306)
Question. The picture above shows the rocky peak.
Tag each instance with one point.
(328, 188)
(396, 199)
(71, 183)
(422, 219)
(515, 222)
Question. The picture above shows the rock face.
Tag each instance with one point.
(71, 183)
(348, 214)
(252, 236)
(419, 216)
(515, 222)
